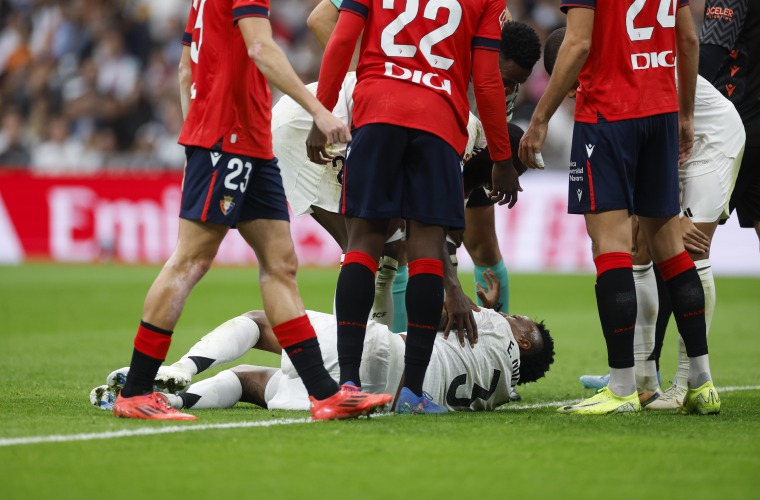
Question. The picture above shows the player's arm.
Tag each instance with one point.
(687, 65)
(570, 59)
(489, 96)
(185, 80)
(458, 306)
(271, 61)
(334, 67)
(323, 19)
(719, 35)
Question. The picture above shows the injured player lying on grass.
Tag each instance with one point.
(511, 350)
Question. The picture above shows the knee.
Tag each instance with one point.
(191, 264)
(281, 269)
(484, 252)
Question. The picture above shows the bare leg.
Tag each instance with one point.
(196, 248)
(254, 380)
(335, 224)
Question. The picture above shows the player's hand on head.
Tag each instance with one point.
(531, 143)
(491, 296)
(504, 183)
(460, 318)
(694, 240)
(685, 138)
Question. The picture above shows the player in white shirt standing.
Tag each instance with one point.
(707, 179)
(510, 350)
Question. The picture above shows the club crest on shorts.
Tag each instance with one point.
(226, 204)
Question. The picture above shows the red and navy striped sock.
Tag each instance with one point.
(424, 304)
(688, 299)
(300, 342)
(616, 301)
(354, 295)
(151, 345)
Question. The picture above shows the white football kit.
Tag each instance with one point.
(460, 378)
(708, 177)
(308, 184)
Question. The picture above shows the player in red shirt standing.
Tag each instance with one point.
(232, 179)
(632, 127)
(410, 118)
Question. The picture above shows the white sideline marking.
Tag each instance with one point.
(151, 431)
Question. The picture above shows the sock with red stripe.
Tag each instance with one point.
(354, 295)
(616, 301)
(298, 339)
(424, 303)
(688, 298)
(151, 345)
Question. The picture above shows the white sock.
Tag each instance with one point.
(342, 258)
(220, 391)
(622, 381)
(227, 342)
(683, 375)
(646, 322)
(382, 308)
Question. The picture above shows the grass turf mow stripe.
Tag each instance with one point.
(151, 431)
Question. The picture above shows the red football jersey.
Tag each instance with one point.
(230, 99)
(630, 70)
(415, 61)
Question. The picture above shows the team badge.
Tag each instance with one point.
(226, 204)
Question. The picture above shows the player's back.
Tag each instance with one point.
(476, 378)
(735, 26)
(415, 61)
(230, 98)
(630, 69)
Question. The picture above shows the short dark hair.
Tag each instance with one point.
(520, 43)
(551, 48)
(534, 367)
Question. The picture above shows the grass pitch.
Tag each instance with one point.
(64, 328)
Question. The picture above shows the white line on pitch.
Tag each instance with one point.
(152, 431)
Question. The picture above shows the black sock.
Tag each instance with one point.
(663, 317)
(688, 298)
(306, 357)
(142, 372)
(424, 303)
(616, 301)
(151, 346)
(354, 296)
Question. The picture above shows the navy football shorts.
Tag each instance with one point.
(393, 171)
(625, 165)
(225, 188)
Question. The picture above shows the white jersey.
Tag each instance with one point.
(468, 378)
(308, 184)
(717, 125)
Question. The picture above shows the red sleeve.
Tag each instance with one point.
(488, 32)
(249, 8)
(337, 56)
(489, 95)
(187, 36)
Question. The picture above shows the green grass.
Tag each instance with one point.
(64, 328)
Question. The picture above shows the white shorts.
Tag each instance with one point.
(306, 184)
(706, 193)
(381, 368)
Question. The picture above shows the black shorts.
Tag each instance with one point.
(626, 165)
(746, 196)
(392, 171)
(225, 188)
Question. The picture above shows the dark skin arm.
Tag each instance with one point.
(457, 305)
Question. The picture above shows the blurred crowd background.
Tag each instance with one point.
(87, 85)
